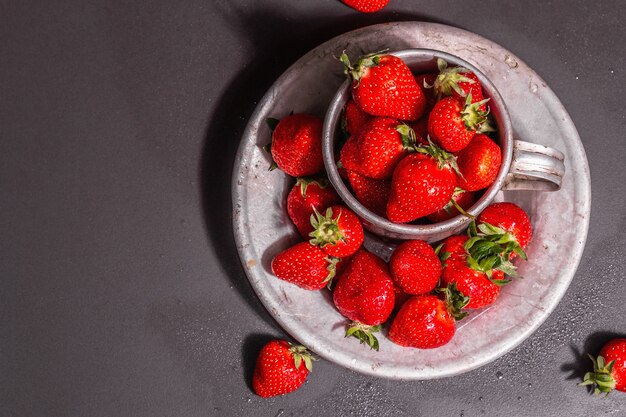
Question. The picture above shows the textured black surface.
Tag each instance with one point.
(122, 293)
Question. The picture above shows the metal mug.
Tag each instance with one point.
(525, 166)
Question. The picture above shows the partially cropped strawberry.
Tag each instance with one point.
(383, 85)
(297, 145)
(366, 6)
(353, 118)
(479, 163)
(365, 295)
(422, 183)
(457, 82)
(415, 267)
(461, 198)
(609, 368)
(453, 123)
(280, 368)
(305, 265)
(426, 321)
(338, 232)
(511, 218)
(380, 144)
(307, 195)
(426, 82)
(420, 130)
(373, 194)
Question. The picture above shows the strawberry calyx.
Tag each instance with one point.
(453, 203)
(325, 228)
(332, 270)
(357, 71)
(301, 354)
(364, 332)
(443, 158)
(304, 182)
(449, 78)
(601, 378)
(407, 135)
(455, 301)
(474, 118)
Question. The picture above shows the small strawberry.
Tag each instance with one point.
(400, 296)
(353, 118)
(479, 163)
(365, 295)
(305, 265)
(280, 368)
(307, 195)
(460, 198)
(373, 194)
(427, 322)
(415, 267)
(609, 368)
(297, 145)
(452, 123)
(366, 6)
(426, 82)
(383, 85)
(376, 150)
(420, 130)
(457, 82)
(422, 183)
(338, 232)
(511, 218)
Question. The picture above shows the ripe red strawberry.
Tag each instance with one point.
(401, 297)
(376, 150)
(479, 163)
(457, 82)
(383, 85)
(421, 184)
(373, 194)
(420, 129)
(462, 198)
(415, 267)
(353, 118)
(305, 196)
(511, 218)
(426, 82)
(366, 6)
(609, 368)
(452, 123)
(365, 295)
(280, 368)
(297, 145)
(338, 232)
(427, 322)
(305, 265)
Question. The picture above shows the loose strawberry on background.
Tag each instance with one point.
(383, 85)
(479, 163)
(297, 145)
(338, 232)
(353, 118)
(461, 198)
(511, 218)
(373, 194)
(609, 368)
(366, 6)
(426, 321)
(305, 265)
(307, 195)
(280, 368)
(365, 294)
(415, 267)
(457, 82)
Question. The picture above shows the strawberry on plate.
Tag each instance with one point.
(479, 163)
(297, 145)
(460, 198)
(305, 265)
(415, 267)
(373, 194)
(338, 232)
(307, 195)
(280, 368)
(366, 6)
(609, 368)
(383, 85)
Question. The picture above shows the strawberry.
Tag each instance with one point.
(420, 129)
(297, 145)
(338, 232)
(400, 296)
(280, 368)
(457, 82)
(461, 198)
(415, 267)
(353, 118)
(479, 163)
(426, 82)
(305, 196)
(453, 123)
(365, 295)
(422, 183)
(383, 85)
(376, 150)
(373, 194)
(366, 6)
(511, 218)
(305, 265)
(609, 368)
(427, 322)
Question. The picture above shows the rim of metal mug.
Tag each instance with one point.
(498, 110)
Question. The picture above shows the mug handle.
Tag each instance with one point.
(535, 167)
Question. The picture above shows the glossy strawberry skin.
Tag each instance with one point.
(376, 150)
(423, 322)
(275, 372)
(389, 89)
(304, 265)
(615, 350)
(475, 88)
(479, 163)
(300, 207)
(297, 145)
(415, 267)
(366, 6)
(446, 126)
(465, 199)
(511, 218)
(365, 291)
(418, 188)
(354, 118)
(373, 194)
(351, 229)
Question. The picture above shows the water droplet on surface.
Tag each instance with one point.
(480, 398)
(530, 385)
(512, 63)
(533, 87)
(499, 375)
(280, 412)
(519, 398)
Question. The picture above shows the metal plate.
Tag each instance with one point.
(560, 219)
